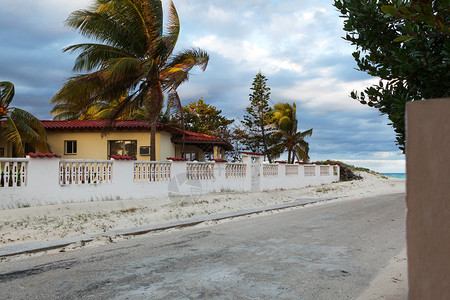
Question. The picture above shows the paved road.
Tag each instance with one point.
(324, 252)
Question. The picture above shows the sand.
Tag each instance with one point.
(51, 222)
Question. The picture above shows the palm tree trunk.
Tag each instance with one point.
(156, 100)
(153, 141)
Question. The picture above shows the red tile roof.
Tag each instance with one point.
(253, 153)
(42, 155)
(122, 157)
(51, 125)
(98, 125)
(176, 159)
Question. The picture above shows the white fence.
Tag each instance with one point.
(37, 181)
(74, 171)
(235, 170)
(152, 171)
(13, 172)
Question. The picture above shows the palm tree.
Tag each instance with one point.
(99, 110)
(134, 57)
(288, 139)
(18, 126)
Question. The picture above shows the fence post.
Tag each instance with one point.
(122, 172)
(219, 170)
(247, 159)
(43, 177)
(281, 171)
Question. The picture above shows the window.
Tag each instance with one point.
(126, 148)
(70, 147)
(144, 150)
(190, 156)
(2, 152)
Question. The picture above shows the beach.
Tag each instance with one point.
(52, 222)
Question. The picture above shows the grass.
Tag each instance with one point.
(325, 189)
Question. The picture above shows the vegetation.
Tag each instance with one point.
(406, 44)
(257, 121)
(132, 61)
(205, 118)
(18, 126)
(286, 136)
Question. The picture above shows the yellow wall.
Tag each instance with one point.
(166, 149)
(91, 145)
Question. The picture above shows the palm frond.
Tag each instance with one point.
(187, 59)
(6, 93)
(30, 129)
(111, 28)
(93, 56)
(118, 69)
(173, 30)
(11, 134)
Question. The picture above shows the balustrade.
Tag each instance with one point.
(235, 170)
(13, 172)
(199, 171)
(74, 171)
(270, 170)
(310, 170)
(152, 171)
(324, 170)
(291, 170)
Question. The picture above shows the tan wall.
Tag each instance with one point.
(91, 145)
(428, 198)
(167, 149)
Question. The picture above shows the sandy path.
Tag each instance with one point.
(51, 222)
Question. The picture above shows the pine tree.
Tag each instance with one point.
(257, 119)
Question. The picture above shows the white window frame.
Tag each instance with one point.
(74, 142)
(145, 147)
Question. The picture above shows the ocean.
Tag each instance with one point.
(398, 175)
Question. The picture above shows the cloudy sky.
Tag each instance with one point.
(297, 45)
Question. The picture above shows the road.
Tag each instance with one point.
(331, 251)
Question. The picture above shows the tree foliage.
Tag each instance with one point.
(134, 57)
(18, 126)
(410, 56)
(257, 120)
(286, 137)
(202, 117)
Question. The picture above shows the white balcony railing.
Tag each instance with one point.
(13, 172)
(152, 171)
(270, 170)
(324, 170)
(291, 170)
(199, 171)
(310, 170)
(235, 170)
(77, 171)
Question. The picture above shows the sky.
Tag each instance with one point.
(297, 45)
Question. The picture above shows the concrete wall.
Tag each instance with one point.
(53, 180)
(428, 198)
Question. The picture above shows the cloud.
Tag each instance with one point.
(326, 93)
(382, 166)
(247, 55)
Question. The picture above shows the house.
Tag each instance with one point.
(84, 139)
